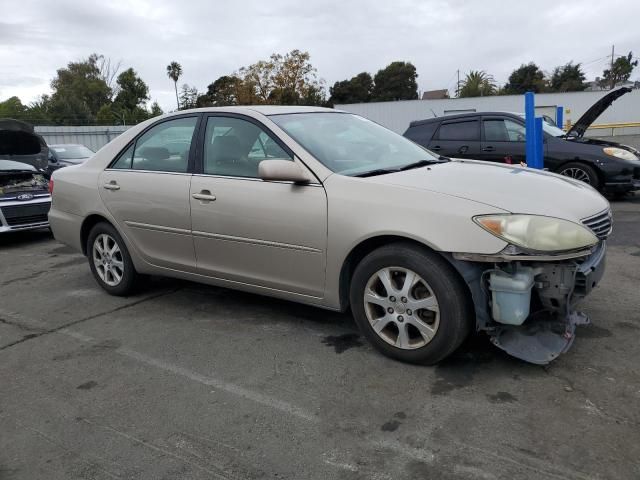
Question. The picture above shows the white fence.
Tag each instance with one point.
(92, 137)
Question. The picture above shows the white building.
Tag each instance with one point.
(398, 115)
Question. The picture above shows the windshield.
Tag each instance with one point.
(549, 128)
(349, 144)
(71, 152)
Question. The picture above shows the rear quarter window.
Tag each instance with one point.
(421, 134)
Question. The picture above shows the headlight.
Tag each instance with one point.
(619, 153)
(537, 233)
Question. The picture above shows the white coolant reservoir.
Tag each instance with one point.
(511, 295)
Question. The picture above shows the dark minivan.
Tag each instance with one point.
(500, 137)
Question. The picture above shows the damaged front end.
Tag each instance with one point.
(527, 303)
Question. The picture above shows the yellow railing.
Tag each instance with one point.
(606, 126)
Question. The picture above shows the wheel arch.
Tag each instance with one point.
(582, 161)
(89, 222)
(362, 249)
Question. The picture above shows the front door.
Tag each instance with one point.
(503, 141)
(270, 234)
(146, 190)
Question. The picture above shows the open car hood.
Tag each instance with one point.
(585, 121)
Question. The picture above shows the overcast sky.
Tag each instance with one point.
(211, 38)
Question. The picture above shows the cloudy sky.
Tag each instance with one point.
(215, 37)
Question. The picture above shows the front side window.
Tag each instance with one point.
(235, 147)
(163, 148)
(460, 131)
(349, 144)
(503, 130)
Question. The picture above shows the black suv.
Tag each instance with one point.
(500, 137)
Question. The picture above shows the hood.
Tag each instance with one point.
(585, 121)
(11, 166)
(512, 188)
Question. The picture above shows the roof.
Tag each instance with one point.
(263, 109)
(435, 94)
(462, 115)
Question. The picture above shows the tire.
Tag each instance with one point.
(449, 321)
(119, 263)
(581, 171)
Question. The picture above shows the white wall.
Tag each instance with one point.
(398, 115)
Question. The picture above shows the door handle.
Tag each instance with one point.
(204, 196)
(112, 185)
(435, 148)
(463, 149)
(488, 148)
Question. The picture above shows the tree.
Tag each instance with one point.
(477, 84)
(156, 111)
(188, 97)
(568, 78)
(281, 80)
(526, 78)
(12, 108)
(78, 93)
(222, 92)
(133, 92)
(174, 72)
(356, 90)
(619, 72)
(397, 81)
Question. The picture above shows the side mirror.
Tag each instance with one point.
(282, 171)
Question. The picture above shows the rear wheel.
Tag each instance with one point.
(582, 172)
(110, 261)
(410, 303)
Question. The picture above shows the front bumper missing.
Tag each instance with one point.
(539, 340)
(551, 331)
(558, 286)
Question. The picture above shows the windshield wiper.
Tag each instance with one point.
(424, 163)
(377, 171)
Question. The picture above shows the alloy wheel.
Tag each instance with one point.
(401, 308)
(577, 174)
(108, 259)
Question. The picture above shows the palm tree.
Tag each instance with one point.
(477, 84)
(174, 72)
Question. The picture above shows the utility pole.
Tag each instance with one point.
(613, 79)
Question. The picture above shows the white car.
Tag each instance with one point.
(329, 209)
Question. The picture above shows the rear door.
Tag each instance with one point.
(146, 190)
(503, 140)
(458, 138)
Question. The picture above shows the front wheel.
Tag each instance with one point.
(410, 303)
(582, 172)
(110, 261)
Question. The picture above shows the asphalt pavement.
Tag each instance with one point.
(186, 381)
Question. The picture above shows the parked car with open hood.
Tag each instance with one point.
(67, 154)
(20, 143)
(24, 197)
(329, 209)
(500, 137)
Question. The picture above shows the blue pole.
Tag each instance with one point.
(539, 155)
(560, 116)
(529, 123)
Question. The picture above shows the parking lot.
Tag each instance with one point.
(190, 381)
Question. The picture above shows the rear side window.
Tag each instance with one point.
(421, 134)
(125, 159)
(164, 147)
(463, 130)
